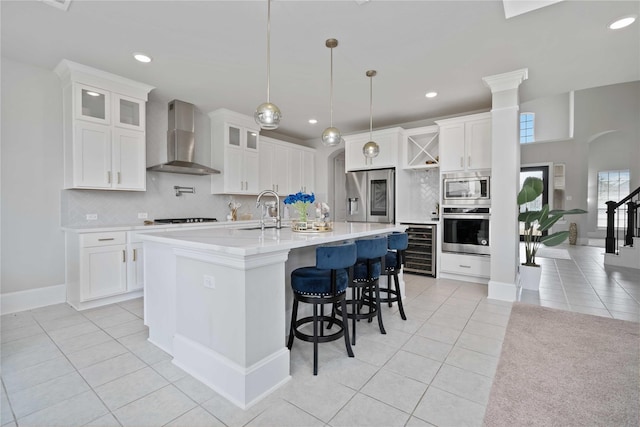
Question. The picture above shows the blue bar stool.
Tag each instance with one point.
(326, 283)
(394, 259)
(369, 266)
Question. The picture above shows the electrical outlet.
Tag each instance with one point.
(92, 217)
(142, 215)
(209, 282)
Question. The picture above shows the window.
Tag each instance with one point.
(612, 186)
(526, 128)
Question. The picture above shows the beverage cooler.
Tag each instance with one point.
(420, 256)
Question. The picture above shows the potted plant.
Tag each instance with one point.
(535, 223)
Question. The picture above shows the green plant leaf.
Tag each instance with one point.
(548, 222)
(531, 188)
(528, 217)
(555, 238)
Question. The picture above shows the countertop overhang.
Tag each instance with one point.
(243, 242)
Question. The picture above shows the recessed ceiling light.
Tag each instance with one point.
(431, 94)
(313, 121)
(141, 57)
(625, 21)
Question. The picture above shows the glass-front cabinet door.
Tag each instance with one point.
(92, 104)
(252, 139)
(129, 112)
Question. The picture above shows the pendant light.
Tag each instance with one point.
(371, 149)
(331, 136)
(268, 115)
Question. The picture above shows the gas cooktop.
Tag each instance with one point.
(183, 220)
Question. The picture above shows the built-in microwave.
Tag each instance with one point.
(466, 188)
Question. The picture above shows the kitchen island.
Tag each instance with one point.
(217, 300)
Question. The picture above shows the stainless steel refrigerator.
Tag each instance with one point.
(371, 196)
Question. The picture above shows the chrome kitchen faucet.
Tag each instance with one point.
(277, 218)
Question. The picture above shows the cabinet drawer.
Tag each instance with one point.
(468, 265)
(103, 239)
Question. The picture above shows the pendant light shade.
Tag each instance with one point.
(371, 149)
(268, 115)
(331, 135)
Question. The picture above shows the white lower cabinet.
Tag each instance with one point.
(103, 268)
(465, 265)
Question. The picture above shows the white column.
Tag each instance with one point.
(505, 183)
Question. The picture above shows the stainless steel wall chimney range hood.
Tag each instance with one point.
(181, 142)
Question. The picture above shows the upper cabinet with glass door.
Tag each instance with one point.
(92, 104)
(129, 113)
(104, 129)
(97, 105)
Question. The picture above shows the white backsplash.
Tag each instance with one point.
(425, 192)
(159, 201)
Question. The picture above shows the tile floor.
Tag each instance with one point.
(95, 368)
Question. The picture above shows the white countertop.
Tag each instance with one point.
(237, 241)
(157, 226)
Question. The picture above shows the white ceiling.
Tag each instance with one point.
(213, 53)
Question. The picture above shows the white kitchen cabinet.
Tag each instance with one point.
(302, 170)
(420, 149)
(475, 266)
(234, 151)
(275, 162)
(103, 268)
(135, 265)
(465, 143)
(389, 141)
(104, 129)
(286, 168)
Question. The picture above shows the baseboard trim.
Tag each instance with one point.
(13, 302)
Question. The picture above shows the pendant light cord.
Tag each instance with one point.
(268, 49)
(370, 108)
(331, 92)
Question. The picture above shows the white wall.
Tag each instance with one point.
(32, 242)
(552, 117)
(606, 135)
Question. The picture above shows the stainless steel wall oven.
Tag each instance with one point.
(466, 230)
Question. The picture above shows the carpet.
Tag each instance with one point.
(559, 368)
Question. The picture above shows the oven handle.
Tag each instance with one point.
(470, 216)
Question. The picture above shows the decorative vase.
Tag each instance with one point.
(530, 277)
(573, 233)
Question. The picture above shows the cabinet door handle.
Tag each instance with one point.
(109, 177)
(469, 161)
(135, 255)
(124, 256)
(461, 162)
(277, 188)
(464, 266)
(106, 239)
(118, 177)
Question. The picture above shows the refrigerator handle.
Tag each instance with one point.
(353, 205)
